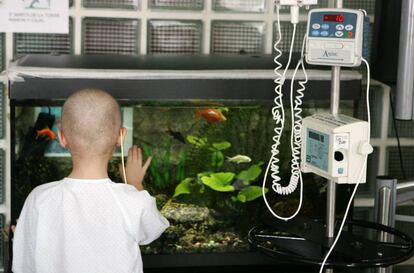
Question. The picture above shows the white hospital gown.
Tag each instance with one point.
(85, 226)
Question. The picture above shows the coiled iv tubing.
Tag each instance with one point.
(279, 118)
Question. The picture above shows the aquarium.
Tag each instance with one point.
(206, 173)
(209, 157)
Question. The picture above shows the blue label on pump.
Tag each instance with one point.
(365, 42)
(317, 149)
(336, 24)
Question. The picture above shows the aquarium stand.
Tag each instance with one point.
(303, 240)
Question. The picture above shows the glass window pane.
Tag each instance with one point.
(44, 43)
(174, 37)
(237, 37)
(110, 36)
(177, 4)
(111, 4)
(240, 5)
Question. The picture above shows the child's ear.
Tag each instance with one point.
(62, 139)
(123, 131)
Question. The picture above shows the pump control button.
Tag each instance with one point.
(315, 33)
(316, 26)
(339, 156)
(349, 27)
(325, 26)
(340, 27)
(339, 34)
(324, 33)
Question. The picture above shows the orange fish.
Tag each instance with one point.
(46, 132)
(211, 115)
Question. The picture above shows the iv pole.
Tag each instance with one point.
(331, 190)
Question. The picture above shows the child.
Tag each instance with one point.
(86, 223)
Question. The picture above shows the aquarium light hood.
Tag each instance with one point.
(17, 72)
(211, 77)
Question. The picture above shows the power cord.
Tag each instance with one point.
(359, 177)
(397, 137)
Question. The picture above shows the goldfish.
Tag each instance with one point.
(46, 132)
(176, 135)
(239, 159)
(211, 115)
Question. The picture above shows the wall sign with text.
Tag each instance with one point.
(34, 16)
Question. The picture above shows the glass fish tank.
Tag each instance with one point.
(210, 140)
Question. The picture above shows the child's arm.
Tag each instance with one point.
(134, 169)
(149, 223)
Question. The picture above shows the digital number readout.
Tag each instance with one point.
(316, 136)
(333, 18)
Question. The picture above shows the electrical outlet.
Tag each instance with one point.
(296, 2)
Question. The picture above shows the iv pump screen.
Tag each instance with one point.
(333, 18)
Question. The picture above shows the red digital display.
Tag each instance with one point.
(333, 18)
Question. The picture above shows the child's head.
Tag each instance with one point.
(90, 125)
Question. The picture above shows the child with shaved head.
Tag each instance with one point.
(86, 223)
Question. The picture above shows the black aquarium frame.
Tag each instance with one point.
(28, 88)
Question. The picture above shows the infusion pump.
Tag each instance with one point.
(335, 37)
(335, 147)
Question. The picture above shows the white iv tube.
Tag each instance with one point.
(279, 118)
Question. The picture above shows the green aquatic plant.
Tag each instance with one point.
(251, 173)
(199, 142)
(225, 182)
(217, 156)
(180, 174)
(161, 170)
(216, 149)
(219, 181)
(250, 193)
(183, 188)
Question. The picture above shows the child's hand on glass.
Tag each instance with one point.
(134, 170)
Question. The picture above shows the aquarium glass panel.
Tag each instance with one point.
(2, 52)
(206, 174)
(240, 5)
(110, 36)
(174, 37)
(44, 43)
(237, 37)
(111, 4)
(177, 4)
